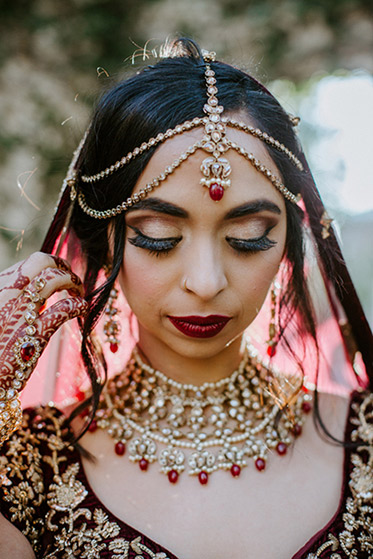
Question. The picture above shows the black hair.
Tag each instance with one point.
(160, 97)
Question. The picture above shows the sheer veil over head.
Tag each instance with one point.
(321, 329)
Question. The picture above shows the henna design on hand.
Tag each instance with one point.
(18, 281)
(13, 326)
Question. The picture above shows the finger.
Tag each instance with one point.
(60, 262)
(59, 313)
(56, 279)
(39, 261)
(15, 365)
(19, 276)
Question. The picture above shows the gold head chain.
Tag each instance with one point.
(215, 168)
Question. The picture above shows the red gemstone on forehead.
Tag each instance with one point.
(143, 464)
(235, 470)
(113, 347)
(27, 351)
(281, 448)
(120, 448)
(173, 476)
(216, 191)
(203, 478)
(260, 464)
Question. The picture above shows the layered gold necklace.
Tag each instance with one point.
(201, 429)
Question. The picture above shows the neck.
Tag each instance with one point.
(188, 369)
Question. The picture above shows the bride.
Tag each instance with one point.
(229, 411)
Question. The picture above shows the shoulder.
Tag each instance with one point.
(355, 538)
(40, 428)
(360, 465)
(349, 534)
(361, 418)
(27, 461)
(349, 417)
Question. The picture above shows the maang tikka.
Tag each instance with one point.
(215, 168)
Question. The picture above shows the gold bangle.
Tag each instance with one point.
(10, 417)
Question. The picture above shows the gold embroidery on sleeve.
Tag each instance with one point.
(24, 486)
(21, 466)
(356, 538)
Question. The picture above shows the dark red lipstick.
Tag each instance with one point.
(200, 326)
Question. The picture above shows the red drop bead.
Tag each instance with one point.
(120, 448)
(143, 464)
(297, 430)
(113, 347)
(27, 351)
(271, 350)
(260, 464)
(235, 470)
(92, 426)
(306, 407)
(216, 191)
(173, 476)
(281, 448)
(203, 478)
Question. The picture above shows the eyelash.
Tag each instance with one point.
(252, 245)
(157, 247)
(163, 246)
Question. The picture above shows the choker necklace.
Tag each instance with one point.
(219, 425)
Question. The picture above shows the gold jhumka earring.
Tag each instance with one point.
(111, 326)
(272, 341)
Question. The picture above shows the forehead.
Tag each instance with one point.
(183, 186)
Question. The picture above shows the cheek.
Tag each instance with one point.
(254, 279)
(141, 283)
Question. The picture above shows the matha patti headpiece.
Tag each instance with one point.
(215, 167)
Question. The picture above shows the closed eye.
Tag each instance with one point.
(156, 246)
(255, 244)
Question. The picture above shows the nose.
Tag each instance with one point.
(204, 271)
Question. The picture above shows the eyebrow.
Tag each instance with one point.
(253, 207)
(161, 206)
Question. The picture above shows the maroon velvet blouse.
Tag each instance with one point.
(46, 495)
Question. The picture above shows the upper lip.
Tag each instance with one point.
(202, 320)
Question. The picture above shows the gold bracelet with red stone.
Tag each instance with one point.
(27, 348)
(27, 351)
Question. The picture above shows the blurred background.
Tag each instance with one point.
(57, 57)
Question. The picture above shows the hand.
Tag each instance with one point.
(24, 329)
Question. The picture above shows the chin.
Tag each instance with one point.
(199, 348)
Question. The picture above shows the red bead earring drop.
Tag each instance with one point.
(112, 326)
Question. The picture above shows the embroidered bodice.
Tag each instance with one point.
(46, 495)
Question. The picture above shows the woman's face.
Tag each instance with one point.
(196, 272)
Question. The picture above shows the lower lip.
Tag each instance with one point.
(194, 330)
